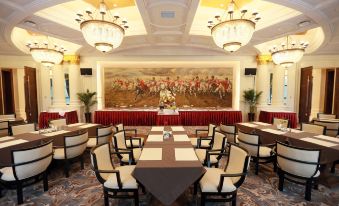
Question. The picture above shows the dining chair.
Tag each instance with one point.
(313, 128)
(326, 116)
(28, 166)
(57, 122)
(231, 132)
(103, 135)
(205, 141)
(211, 157)
(131, 142)
(7, 116)
(298, 165)
(332, 128)
(224, 183)
(72, 149)
(4, 128)
(283, 122)
(115, 180)
(260, 153)
(119, 144)
(23, 128)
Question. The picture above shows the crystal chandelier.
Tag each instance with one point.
(231, 33)
(289, 53)
(46, 55)
(104, 33)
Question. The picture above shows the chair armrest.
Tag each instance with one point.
(125, 151)
(116, 172)
(56, 147)
(92, 137)
(218, 152)
(222, 176)
(268, 145)
(200, 130)
(131, 130)
(202, 138)
(136, 138)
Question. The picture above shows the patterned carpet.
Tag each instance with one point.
(82, 188)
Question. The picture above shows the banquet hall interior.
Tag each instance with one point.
(169, 102)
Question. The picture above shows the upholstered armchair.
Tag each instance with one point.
(331, 128)
(115, 180)
(231, 132)
(4, 128)
(283, 122)
(23, 128)
(223, 183)
(203, 141)
(326, 116)
(57, 122)
(132, 141)
(28, 164)
(103, 135)
(312, 128)
(260, 153)
(298, 165)
(73, 148)
(119, 144)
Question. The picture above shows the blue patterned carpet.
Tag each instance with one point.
(82, 188)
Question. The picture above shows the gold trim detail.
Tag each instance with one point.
(264, 59)
(72, 59)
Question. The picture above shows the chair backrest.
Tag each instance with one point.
(119, 127)
(283, 122)
(23, 128)
(211, 130)
(312, 128)
(31, 161)
(4, 126)
(326, 116)
(250, 142)
(298, 161)
(101, 160)
(238, 162)
(75, 145)
(119, 140)
(332, 128)
(230, 131)
(219, 140)
(104, 134)
(57, 122)
(7, 116)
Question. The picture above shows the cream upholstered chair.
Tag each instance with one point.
(326, 116)
(332, 128)
(23, 128)
(119, 144)
(132, 140)
(298, 165)
(312, 128)
(57, 122)
(231, 132)
(283, 122)
(4, 128)
(260, 153)
(103, 134)
(223, 183)
(212, 156)
(115, 180)
(205, 141)
(74, 147)
(28, 164)
(7, 116)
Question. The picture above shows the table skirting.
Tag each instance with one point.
(266, 116)
(149, 118)
(71, 117)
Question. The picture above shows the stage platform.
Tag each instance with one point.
(151, 116)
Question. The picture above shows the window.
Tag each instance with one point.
(67, 89)
(270, 90)
(285, 86)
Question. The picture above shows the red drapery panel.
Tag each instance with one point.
(44, 117)
(168, 120)
(267, 117)
(131, 118)
(200, 118)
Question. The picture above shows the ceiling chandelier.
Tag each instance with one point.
(289, 53)
(46, 55)
(105, 32)
(232, 33)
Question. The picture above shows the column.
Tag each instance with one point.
(45, 87)
(264, 62)
(74, 78)
(278, 87)
(59, 100)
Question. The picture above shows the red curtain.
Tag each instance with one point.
(44, 117)
(267, 117)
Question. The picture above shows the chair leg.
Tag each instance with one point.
(281, 181)
(275, 165)
(82, 162)
(256, 166)
(316, 184)
(45, 181)
(202, 199)
(308, 190)
(136, 198)
(66, 168)
(333, 168)
(106, 198)
(195, 188)
(19, 193)
(234, 200)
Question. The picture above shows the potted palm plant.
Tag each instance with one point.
(251, 97)
(86, 99)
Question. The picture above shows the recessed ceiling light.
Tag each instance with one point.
(30, 23)
(304, 23)
(167, 14)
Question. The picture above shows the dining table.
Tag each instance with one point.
(329, 146)
(168, 164)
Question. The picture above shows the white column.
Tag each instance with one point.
(263, 82)
(74, 83)
(58, 87)
(45, 76)
(278, 87)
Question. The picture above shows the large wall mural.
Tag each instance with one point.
(197, 87)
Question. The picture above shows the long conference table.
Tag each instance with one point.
(150, 117)
(167, 167)
(329, 146)
(25, 140)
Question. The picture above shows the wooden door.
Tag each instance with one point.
(7, 91)
(329, 91)
(336, 93)
(305, 98)
(31, 99)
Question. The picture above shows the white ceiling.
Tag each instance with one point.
(185, 34)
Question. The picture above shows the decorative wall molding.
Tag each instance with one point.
(72, 59)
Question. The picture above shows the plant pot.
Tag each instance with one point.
(251, 117)
(88, 117)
